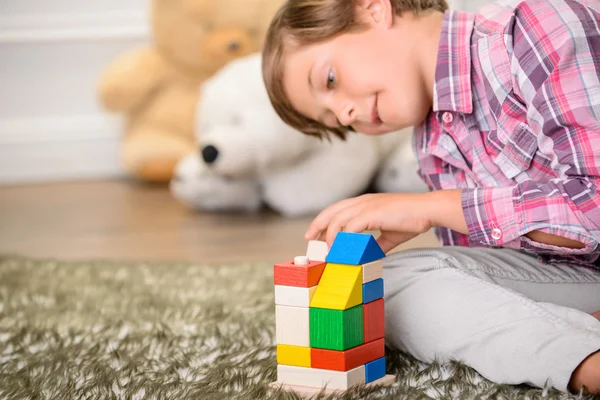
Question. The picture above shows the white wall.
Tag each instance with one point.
(51, 55)
(467, 5)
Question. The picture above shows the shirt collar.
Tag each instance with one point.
(452, 87)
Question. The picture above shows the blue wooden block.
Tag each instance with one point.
(372, 291)
(375, 370)
(354, 249)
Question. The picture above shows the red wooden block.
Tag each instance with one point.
(289, 274)
(374, 317)
(349, 359)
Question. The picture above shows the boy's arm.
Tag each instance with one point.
(446, 211)
(556, 73)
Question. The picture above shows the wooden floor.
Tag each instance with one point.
(124, 220)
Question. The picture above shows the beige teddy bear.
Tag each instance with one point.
(157, 87)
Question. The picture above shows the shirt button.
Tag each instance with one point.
(447, 118)
(496, 234)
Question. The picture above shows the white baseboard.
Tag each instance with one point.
(59, 149)
(68, 27)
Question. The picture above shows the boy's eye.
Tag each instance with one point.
(330, 80)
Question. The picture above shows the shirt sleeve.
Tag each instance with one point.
(555, 55)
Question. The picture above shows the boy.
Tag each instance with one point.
(506, 105)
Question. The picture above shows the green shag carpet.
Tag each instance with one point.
(106, 330)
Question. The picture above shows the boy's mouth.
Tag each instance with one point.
(375, 113)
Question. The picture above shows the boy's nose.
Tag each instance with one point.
(347, 115)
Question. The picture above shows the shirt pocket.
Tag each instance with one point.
(518, 152)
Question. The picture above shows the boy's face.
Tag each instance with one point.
(368, 80)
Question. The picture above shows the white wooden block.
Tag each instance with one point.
(372, 270)
(301, 260)
(292, 325)
(306, 392)
(320, 378)
(317, 250)
(294, 296)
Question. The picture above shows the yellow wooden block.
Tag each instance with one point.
(293, 355)
(340, 287)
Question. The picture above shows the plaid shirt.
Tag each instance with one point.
(515, 125)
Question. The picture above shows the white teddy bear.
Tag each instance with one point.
(248, 157)
(399, 173)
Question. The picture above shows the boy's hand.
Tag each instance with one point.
(399, 216)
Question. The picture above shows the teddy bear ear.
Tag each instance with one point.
(197, 9)
(269, 9)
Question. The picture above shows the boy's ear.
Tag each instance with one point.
(375, 13)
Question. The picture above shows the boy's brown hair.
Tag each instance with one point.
(306, 22)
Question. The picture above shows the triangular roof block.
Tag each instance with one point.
(354, 249)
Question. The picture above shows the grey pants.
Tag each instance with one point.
(500, 311)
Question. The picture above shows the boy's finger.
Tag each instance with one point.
(385, 244)
(388, 245)
(359, 224)
(312, 234)
(339, 222)
(321, 221)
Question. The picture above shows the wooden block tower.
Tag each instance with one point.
(330, 316)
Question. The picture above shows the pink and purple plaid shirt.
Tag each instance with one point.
(515, 125)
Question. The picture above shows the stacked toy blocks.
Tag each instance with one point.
(330, 316)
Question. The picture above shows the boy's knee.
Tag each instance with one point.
(413, 263)
(425, 292)
(415, 282)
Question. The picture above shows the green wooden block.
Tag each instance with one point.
(336, 329)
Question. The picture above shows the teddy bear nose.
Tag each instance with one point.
(233, 46)
(210, 154)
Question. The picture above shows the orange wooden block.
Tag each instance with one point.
(349, 359)
(374, 317)
(290, 274)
